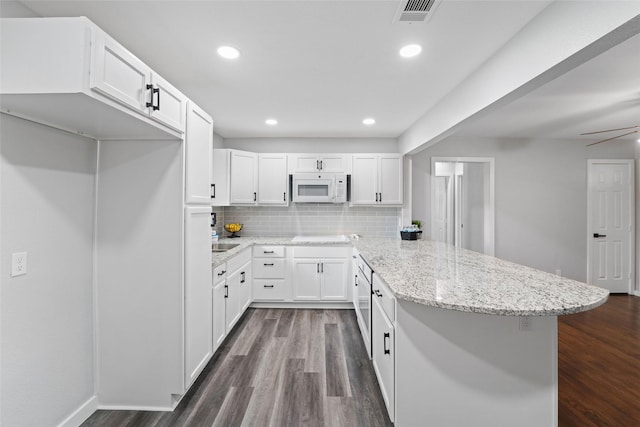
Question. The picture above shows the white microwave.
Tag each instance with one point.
(319, 188)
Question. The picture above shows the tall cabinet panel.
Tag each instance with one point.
(197, 291)
(198, 146)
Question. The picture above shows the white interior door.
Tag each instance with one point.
(610, 224)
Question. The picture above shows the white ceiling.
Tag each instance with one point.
(603, 93)
(319, 67)
(322, 66)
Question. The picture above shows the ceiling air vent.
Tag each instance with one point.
(415, 10)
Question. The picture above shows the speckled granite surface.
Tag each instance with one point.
(220, 257)
(440, 275)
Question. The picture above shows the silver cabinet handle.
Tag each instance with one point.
(268, 252)
(268, 286)
(242, 275)
(386, 350)
(222, 273)
(268, 265)
(226, 291)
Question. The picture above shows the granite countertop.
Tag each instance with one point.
(440, 275)
(244, 242)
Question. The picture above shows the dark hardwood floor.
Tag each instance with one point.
(277, 368)
(599, 365)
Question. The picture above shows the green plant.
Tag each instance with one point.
(417, 222)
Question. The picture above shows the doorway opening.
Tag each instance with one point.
(462, 201)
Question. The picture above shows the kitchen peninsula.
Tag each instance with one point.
(473, 338)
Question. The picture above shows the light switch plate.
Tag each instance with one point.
(18, 264)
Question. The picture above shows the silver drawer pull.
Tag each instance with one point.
(268, 286)
(268, 252)
(268, 265)
(221, 273)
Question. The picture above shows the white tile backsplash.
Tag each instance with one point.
(311, 219)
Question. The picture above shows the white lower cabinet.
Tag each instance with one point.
(383, 343)
(269, 273)
(219, 305)
(321, 273)
(231, 294)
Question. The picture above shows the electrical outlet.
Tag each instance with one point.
(18, 264)
(525, 324)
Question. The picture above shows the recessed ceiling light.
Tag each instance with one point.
(228, 52)
(410, 50)
(638, 139)
(271, 122)
(369, 121)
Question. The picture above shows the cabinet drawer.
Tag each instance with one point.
(268, 268)
(239, 260)
(219, 273)
(261, 251)
(268, 289)
(385, 297)
(322, 251)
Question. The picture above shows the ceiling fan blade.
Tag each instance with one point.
(614, 137)
(610, 130)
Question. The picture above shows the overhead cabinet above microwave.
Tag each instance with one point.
(107, 92)
(326, 163)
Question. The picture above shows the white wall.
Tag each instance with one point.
(314, 145)
(15, 9)
(540, 196)
(47, 209)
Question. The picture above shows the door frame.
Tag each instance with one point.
(632, 218)
(489, 218)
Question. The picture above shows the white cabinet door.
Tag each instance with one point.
(391, 180)
(364, 180)
(245, 288)
(219, 313)
(233, 300)
(383, 342)
(273, 180)
(333, 279)
(168, 105)
(306, 280)
(244, 175)
(197, 291)
(377, 179)
(117, 73)
(220, 170)
(303, 163)
(334, 163)
(198, 146)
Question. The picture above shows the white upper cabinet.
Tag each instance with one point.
(303, 163)
(81, 80)
(244, 178)
(220, 170)
(198, 147)
(273, 180)
(117, 73)
(377, 179)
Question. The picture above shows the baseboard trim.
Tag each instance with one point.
(81, 414)
(636, 293)
(347, 305)
(135, 408)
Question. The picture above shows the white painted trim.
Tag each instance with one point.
(94, 278)
(636, 293)
(490, 221)
(632, 217)
(135, 408)
(81, 414)
(347, 305)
